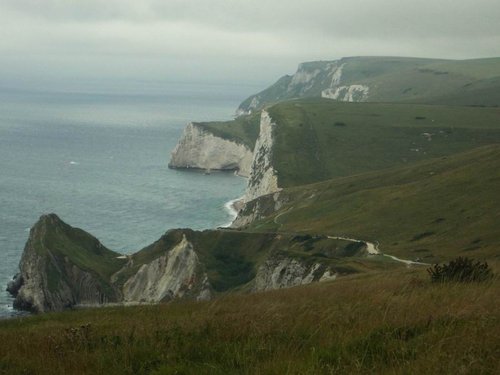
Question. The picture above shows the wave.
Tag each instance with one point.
(231, 209)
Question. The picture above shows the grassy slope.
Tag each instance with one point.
(318, 139)
(231, 258)
(81, 248)
(434, 210)
(391, 79)
(377, 323)
(356, 69)
(448, 82)
(244, 129)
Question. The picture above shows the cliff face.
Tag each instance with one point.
(263, 179)
(176, 274)
(49, 279)
(62, 267)
(385, 79)
(202, 150)
(313, 79)
(262, 195)
(277, 273)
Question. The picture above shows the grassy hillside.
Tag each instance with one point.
(59, 241)
(318, 139)
(231, 258)
(391, 79)
(433, 210)
(381, 323)
(244, 129)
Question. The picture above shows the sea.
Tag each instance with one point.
(99, 161)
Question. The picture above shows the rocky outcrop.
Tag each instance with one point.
(200, 149)
(262, 195)
(312, 79)
(176, 274)
(352, 93)
(285, 272)
(259, 208)
(263, 178)
(63, 267)
(49, 279)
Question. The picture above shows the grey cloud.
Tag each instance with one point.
(333, 17)
(233, 37)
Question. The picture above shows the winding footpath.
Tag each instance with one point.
(373, 249)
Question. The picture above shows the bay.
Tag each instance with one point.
(99, 161)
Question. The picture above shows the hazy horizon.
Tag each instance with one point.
(91, 45)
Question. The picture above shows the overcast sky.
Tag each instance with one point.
(238, 41)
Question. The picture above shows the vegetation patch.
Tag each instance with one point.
(420, 236)
(462, 270)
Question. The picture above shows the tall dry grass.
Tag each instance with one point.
(397, 323)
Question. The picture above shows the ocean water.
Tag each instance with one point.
(99, 161)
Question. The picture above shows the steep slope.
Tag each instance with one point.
(433, 210)
(63, 266)
(217, 145)
(386, 79)
(318, 139)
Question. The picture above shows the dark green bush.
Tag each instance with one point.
(462, 269)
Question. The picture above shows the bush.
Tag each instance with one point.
(462, 270)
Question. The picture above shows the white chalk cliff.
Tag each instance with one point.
(169, 276)
(325, 79)
(200, 149)
(263, 178)
(278, 273)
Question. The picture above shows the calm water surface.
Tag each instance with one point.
(100, 162)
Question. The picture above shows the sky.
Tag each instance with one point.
(66, 43)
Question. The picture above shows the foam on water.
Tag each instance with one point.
(231, 210)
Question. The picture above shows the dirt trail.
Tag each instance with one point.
(373, 249)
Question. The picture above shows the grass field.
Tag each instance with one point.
(244, 129)
(393, 79)
(433, 210)
(390, 323)
(319, 139)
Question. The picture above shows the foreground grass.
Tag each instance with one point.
(372, 323)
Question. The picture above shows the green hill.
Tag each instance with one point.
(433, 210)
(319, 139)
(387, 79)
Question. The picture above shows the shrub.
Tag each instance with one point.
(462, 269)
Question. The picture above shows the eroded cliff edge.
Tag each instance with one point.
(64, 267)
(219, 146)
(200, 149)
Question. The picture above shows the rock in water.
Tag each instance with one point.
(15, 284)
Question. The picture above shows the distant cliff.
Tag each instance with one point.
(386, 79)
(198, 148)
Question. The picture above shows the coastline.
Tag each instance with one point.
(233, 207)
